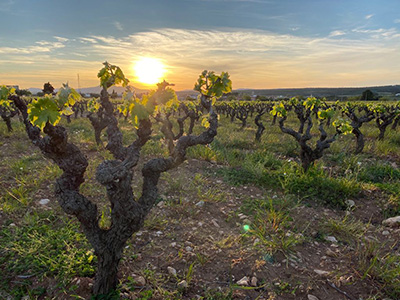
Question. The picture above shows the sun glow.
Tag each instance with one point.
(149, 70)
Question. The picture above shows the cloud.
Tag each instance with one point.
(387, 33)
(367, 17)
(87, 40)
(397, 21)
(254, 58)
(118, 25)
(40, 47)
(60, 39)
(337, 33)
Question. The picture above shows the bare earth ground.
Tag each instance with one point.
(197, 229)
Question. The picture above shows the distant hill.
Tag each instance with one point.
(289, 92)
(322, 92)
(96, 90)
(118, 89)
(34, 90)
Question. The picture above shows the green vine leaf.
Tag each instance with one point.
(44, 110)
(212, 85)
(5, 92)
(326, 114)
(67, 96)
(111, 75)
(342, 126)
(279, 110)
(93, 105)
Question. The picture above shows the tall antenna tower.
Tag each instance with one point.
(79, 85)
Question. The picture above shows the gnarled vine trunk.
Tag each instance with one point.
(260, 127)
(127, 213)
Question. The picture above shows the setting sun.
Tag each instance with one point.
(149, 70)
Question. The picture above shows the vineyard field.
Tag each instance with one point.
(240, 219)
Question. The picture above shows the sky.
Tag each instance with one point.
(261, 43)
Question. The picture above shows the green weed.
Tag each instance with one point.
(378, 173)
(347, 229)
(315, 184)
(383, 266)
(44, 247)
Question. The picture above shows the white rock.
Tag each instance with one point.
(331, 239)
(171, 271)
(215, 223)
(311, 297)
(392, 222)
(254, 281)
(321, 272)
(385, 232)
(183, 284)
(200, 203)
(244, 281)
(12, 225)
(242, 216)
(350, 203)
(158, 233)
(189, 249)
(173, 244)
(44, 201)
(329, 252)
(140, 280)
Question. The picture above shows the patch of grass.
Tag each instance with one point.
(239, 143)
(315, 184)
(26, 164)
(155, 222)
(251, 206)
(224, 154)
(175, 184)
(80, 131)
(347, 230)
(237, 176)
(378, 173)
(204, 152)
(218, 295)
(154, 147)
(392, 207)
(15, 199)
(258, 176)
(388, 146)
(271, 226)
(265, 159)
(380, 265)
(44, 247)
(394, 139)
